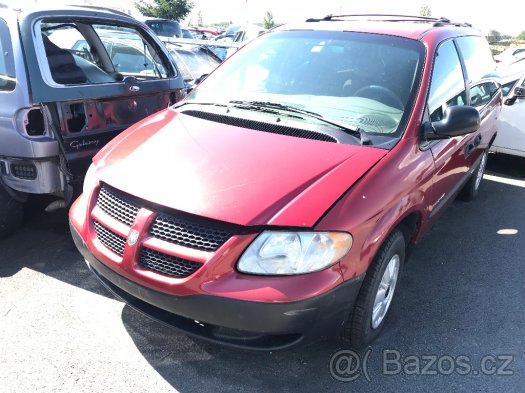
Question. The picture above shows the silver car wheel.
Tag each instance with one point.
(385, 291)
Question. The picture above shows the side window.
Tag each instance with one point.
(482, 93)
(447, 87)
(477, 56)
(7, 67)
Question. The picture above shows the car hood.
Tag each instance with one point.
(230, 173)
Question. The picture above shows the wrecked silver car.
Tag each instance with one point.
(65, 91)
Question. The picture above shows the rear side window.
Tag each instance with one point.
(477, 56)
(482, 93)
(447, 87)
(7, 67)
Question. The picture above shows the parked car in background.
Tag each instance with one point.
(193, 61)
(61, 103)
(186, 33)
(511, 121)
(203, 33)
(164, 27)
(510, 55)
(239, 34)
(279, 200)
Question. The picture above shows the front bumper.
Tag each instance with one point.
(232, 322)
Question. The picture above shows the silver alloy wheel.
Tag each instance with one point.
(385, 292)
(481, 170)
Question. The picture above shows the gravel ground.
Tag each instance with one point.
(460, 310)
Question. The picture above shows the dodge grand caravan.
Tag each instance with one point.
(279, 200)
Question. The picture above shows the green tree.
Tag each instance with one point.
(493, 36)
(268, 21)
(166, 9)
(425, 10)
(521, 36)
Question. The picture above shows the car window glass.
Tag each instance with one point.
(477, 56)
(362, 80)
(482, 93)
(80, 53)
(130, 53)
(197, 62)
(165, 28)
(447, 87)
(7, 71)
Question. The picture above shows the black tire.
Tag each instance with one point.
(358, 331)
(11, 213)
(471, 189)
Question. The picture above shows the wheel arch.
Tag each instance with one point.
(409, 223)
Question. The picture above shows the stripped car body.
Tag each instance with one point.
(65, 104)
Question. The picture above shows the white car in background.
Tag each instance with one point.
(511, 121)
(510, 55)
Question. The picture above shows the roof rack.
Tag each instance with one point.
(389, 18)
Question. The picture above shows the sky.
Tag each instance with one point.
(506, 16)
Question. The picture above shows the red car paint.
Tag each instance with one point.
(261, 180)
(250, 187)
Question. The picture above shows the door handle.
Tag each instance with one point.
(472, 145)
(477, 140)
(469, 149)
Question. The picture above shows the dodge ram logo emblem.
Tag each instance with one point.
(133, 237)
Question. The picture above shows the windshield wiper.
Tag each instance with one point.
(259, 105)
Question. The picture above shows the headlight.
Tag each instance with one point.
(286, 253)
(90, 180)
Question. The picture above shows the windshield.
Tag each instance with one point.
(193, 62)
(364, 81)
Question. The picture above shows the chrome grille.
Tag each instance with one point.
(110, 239)
(167, 264)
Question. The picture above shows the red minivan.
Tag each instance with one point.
(279, 200)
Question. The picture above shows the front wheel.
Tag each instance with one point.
(11, 213)
(471, 189)
(377, 292)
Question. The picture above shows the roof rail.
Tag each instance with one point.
(389, 18)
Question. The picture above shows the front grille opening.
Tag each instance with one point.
(116, 205)
(199, 234)
(176, 227)
(110, 239)
(261, 126)
(167, 264)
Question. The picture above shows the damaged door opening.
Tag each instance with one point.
(76, 117)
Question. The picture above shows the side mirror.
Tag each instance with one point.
(457, 121)
(200, 78)
(519, 92)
